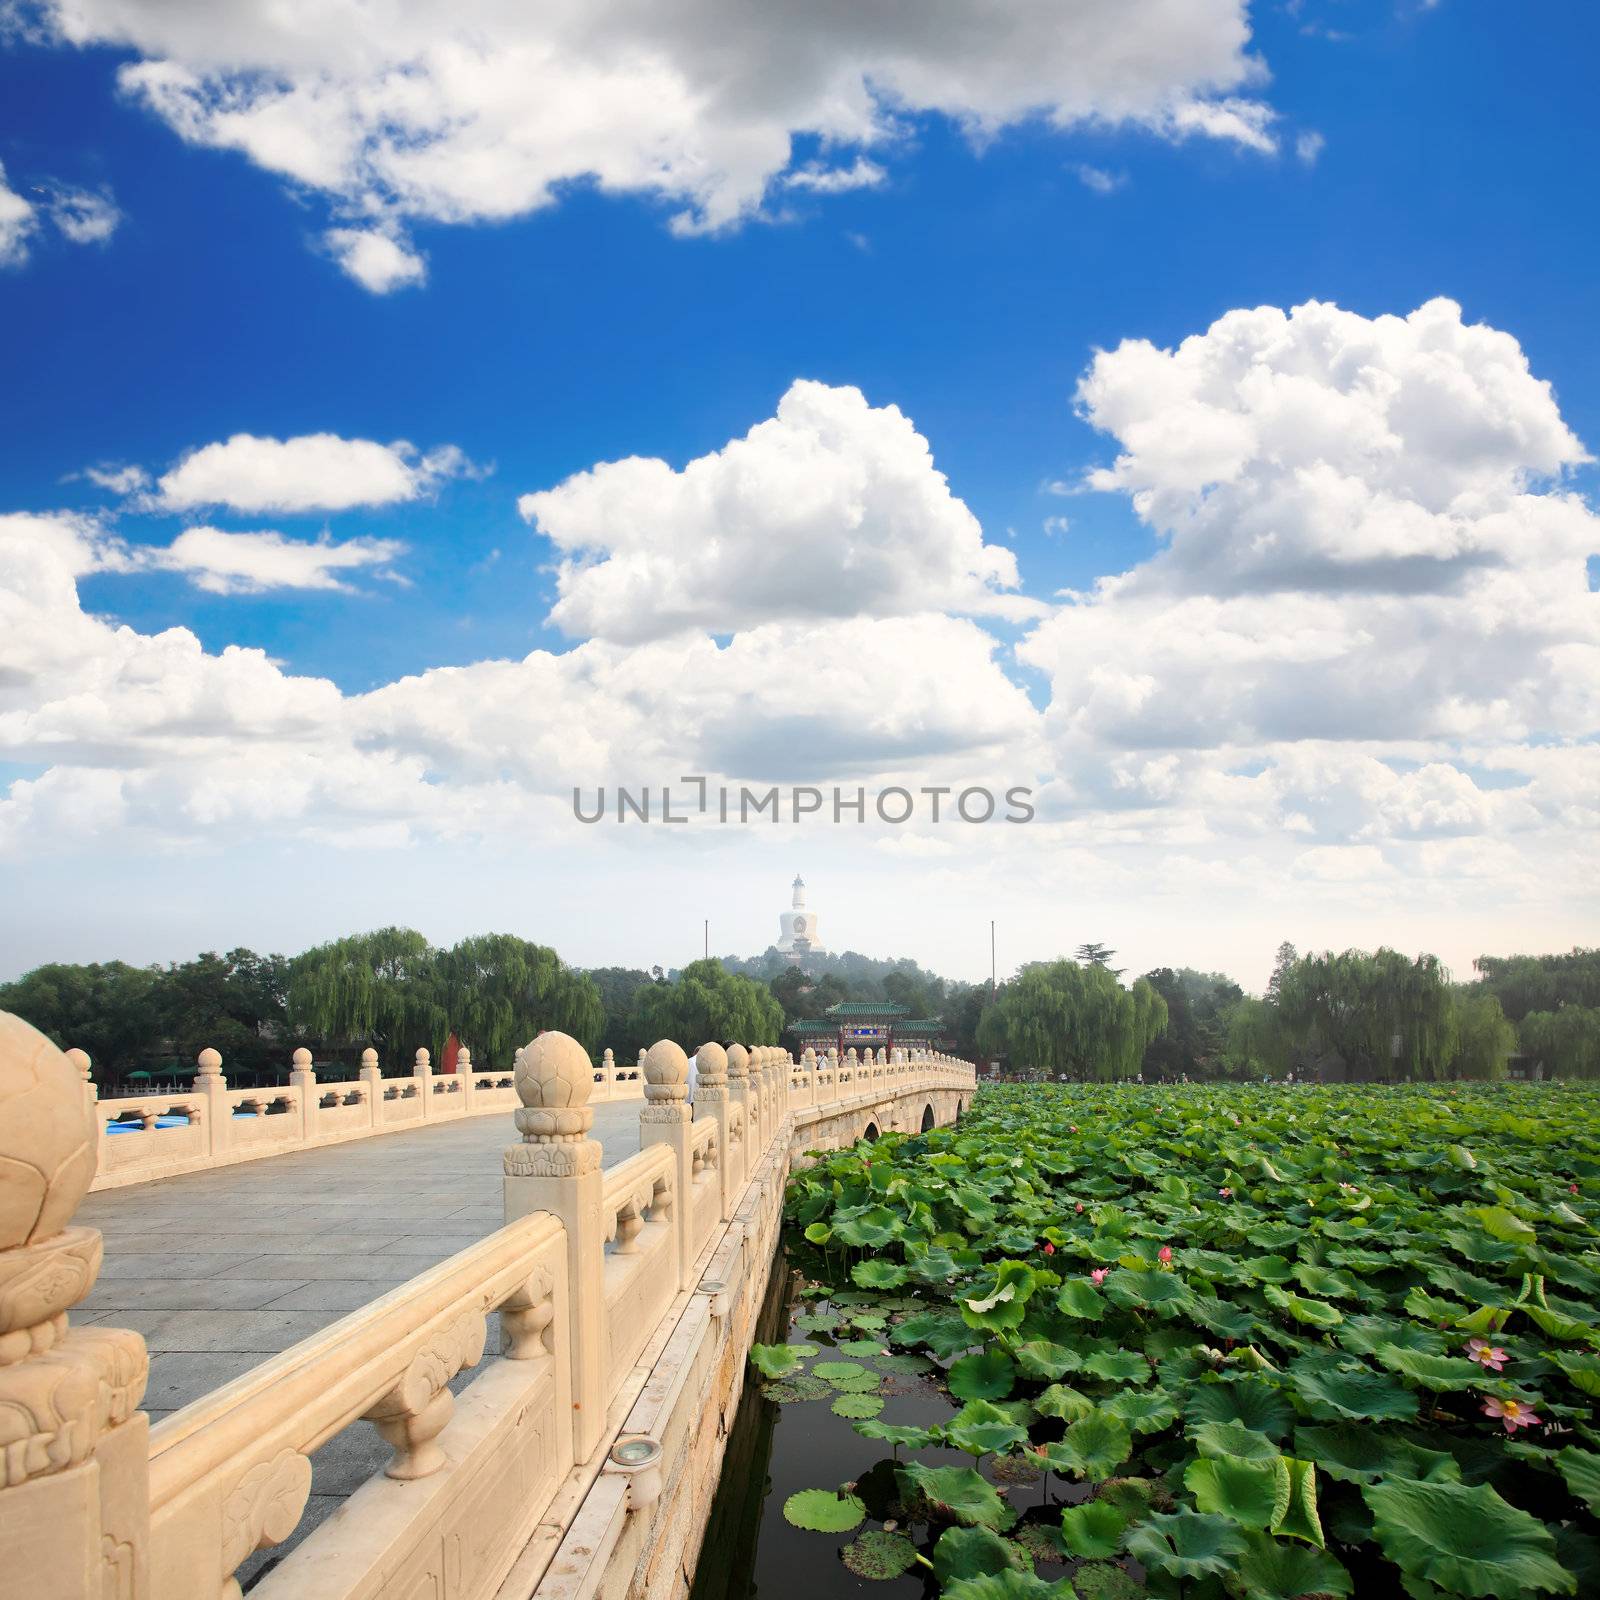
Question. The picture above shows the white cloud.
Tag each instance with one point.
(475, 110)
(312, 472)
(832, 508)
(118, 480)
(1098, 179)
(252, 563)
(1308, 146)
(17, 223)
(84, 216)
(375, 259)
(819, 178)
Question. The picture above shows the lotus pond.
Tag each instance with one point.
(1206, 1341)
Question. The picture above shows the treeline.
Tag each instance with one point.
(1382, 1015)
(389, 989)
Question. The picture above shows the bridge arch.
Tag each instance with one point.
(927, 1116)
(870, 1133)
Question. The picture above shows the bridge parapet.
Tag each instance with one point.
(577, 1461)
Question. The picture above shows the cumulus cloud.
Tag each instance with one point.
(17, 224)
(831, 508)
(85, 216)
(312, 472)
(376, 260)
(118, 480)
(474, 110)
(253, 563)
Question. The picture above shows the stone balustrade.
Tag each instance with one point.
(577, 1462)
(168, 1132)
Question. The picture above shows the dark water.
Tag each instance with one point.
(775, 1450)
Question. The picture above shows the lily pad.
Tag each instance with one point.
(879, 1554)
(824, 1511)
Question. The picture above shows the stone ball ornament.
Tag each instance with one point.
(666, 1071)
(47, 1136)
(738, 1061)
(712, 1064)
(554, 1077)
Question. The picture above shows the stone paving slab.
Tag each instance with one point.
(220, 1269)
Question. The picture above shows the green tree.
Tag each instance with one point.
(1564, 1043)
(499, 991)
(1196, 1036)
(1060, 1017)
(107, 1008)
(1255, 1042)
(1099, 955)
(1385, 1015)
(236, 1004)
(1485, 1041)
(1523, 984)
(383, 987)
(708, 1003)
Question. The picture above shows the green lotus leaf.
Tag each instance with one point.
(1507, 1226)
(944, 1335)
(1269, 1269)
(1144, 1411)
(1061, 1400)
(1256, 1402)
(1581, 1469)
(1093, 1529)
(1298, 1518)
(900, 1435)
(973, 1553)
(1119, 1366)
(1187, 1544)
(986, 1375)
(777, 1360)
(1357, 1454)
(858, 1347)
(818, 1232)
(902, 1364)
(1041, 1358)
(1093, 1447)
(1219, 1317)
(1270, 1569)
(1009, 1585)
(1040, 1541)
(1235, 1487)
(1233, 1439)
(824, 1511)
(1466, 1540)
(1432, 1372)
(1318, 1313)
(980, 1428)
(956, 1494)
(879, 1554)
(878, 1274)
(858, 1407)
(847, 1375)
(871, 1229)
(1357, 1394)
(1366, 1335)
(1581, 1367)
(1099, 1580)
(1324, 1282)
(801, 1387)
(1078, 1298)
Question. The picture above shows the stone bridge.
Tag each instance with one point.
(552, 1396)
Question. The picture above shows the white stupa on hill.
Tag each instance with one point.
(797, 937)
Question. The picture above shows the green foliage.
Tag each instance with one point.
(973, 1553)
(708, 1003)
(824, 1511)
(879, 1554)
(1564, 1043)
(1323, 1307)
(1060, 1017)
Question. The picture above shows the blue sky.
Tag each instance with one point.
(1417, 152)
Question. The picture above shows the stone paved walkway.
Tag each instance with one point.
(219, 1270)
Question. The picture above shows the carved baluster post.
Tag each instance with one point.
(212, 1090)
(711, 1100)
(556, 1168)
(74, 1446)
(666, 1119)
(372, 1085)
(422, 1071)
(737, 1153)
(303, 1079)
(608, 1076)
(464, 1077)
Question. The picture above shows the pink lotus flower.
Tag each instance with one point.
(1164, 1254)
(1098, 1276)
(1225, 1192)
(1072, 1127)
(1486, 1355)
(1049, 1249)
(1572, 1188)
(1080, 1208)
(1513, 1413)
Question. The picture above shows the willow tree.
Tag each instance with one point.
(1385, 1015)
(1059, 1016)
(499, 991)
(1485, 1041)
(381, 987)
(709, 1003)
(1564, 1043)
